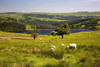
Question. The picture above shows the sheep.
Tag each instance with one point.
(73, 45)
(62, 45)
(40, 38)
(52, 47)
(98, 34)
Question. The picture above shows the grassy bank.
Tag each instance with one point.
(20, 50)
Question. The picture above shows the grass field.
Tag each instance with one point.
(20, 50)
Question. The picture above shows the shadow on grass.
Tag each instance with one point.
(89, 48)
(53, 54)
(59, 64)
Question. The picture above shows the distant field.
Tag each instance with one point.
(76, 20)
(20, 50)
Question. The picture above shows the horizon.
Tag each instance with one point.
(53, 12)
(49, 6)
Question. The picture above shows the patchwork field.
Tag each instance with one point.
(21, 50)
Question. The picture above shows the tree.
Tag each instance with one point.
(62, 29)
(35, 35)
(12, 26)
(95, 28)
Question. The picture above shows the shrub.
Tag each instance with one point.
(53, 33)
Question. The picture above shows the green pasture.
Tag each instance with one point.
(20, 50)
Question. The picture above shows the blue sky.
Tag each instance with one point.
(53, 6)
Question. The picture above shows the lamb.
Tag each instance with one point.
(62, 45)
(73, 45)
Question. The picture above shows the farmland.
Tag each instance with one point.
(21, 50)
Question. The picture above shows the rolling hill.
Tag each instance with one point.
(75, 20)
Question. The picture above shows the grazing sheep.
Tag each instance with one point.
(98, 34)
(40, 38)
(62, 45)
(73, 45)
(52, 47)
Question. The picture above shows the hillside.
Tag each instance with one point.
(20, 50)
(78, 20)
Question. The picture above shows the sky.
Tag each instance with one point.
(51, 6)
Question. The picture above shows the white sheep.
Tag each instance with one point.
(40, 38)
(73, 45)
(52, 47)
(62, 45)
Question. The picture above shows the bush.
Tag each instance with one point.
(95, 28)
(53, 33)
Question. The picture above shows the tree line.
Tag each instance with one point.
(42, 21)
(12, 27)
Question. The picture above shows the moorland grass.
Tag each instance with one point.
(21, 50)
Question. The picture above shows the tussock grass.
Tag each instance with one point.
(21, 50)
